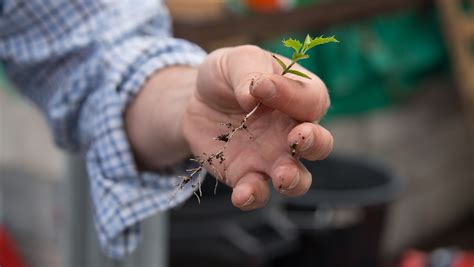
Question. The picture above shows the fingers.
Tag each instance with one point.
(250, 72)
(290, 177)
(251, 192)
(303, 101)
(311, 141)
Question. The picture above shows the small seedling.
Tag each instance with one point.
(300, 52)
(218, 158)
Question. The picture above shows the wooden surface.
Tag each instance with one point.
(260, 26)
(459, 29)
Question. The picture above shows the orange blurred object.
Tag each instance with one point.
(264, 5)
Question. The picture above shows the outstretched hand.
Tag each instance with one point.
(230, 83)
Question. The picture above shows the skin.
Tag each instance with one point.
(179, 110)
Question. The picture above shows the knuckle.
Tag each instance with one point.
(251, 53)
(248, 48)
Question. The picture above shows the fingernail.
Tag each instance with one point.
(249, 201)
(295, 182)
(263, 88)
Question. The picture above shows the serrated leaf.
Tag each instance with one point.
(292, 43)
(299, 56)
(306, 43)
(299, 73)
(282, 64)
(321, 40)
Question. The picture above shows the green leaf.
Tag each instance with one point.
(292, 43)
(282, 64)
(321, 40)
(299, 73)
(299, 56)
(307, 42)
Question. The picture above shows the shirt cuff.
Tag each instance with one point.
(122, 196)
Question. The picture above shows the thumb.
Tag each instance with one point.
(241, 67)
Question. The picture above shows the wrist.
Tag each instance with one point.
(153, 119)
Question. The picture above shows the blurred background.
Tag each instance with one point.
(398, 190)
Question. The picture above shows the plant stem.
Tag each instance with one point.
(285, 71)
(253, 110)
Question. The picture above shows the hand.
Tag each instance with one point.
(291, 104)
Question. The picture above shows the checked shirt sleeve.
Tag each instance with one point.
(82, 62)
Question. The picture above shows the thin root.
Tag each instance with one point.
(199, 187)
(219, 156)
(197, 196)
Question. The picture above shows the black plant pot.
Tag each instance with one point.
(214, 233)
(337, 223)
(340, 219)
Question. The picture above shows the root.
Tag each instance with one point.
(197, 196)
(215, 158)
(217, 178)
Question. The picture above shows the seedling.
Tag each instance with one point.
(300, 52)
(218, 158)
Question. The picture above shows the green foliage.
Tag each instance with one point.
(300, 50)
(282, 64)
(298, 56)
(299, 73)
(292, 43)
(319, 41)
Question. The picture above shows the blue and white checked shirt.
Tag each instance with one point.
(82, 62)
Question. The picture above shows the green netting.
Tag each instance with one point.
(378, 62)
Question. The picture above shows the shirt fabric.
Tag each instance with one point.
(82, 62)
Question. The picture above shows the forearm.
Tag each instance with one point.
(153, 120)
